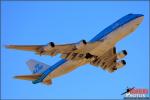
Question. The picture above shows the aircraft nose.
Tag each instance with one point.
(139, 19)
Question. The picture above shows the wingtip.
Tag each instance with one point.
(15, 77)
(6, 46)
(9, 46)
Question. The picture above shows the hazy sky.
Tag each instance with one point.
(67, 22)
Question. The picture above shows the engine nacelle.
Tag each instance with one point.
(49, 46)
(81, 44)
(120, 64)
(121, 54)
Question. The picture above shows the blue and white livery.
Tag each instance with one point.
(100, 51)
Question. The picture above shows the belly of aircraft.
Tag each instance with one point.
(107, 43)
(66, 68)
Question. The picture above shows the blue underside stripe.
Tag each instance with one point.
(49, 70)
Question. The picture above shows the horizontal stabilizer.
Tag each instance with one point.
(28, 77)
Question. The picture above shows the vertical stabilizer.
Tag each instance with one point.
(37, 67)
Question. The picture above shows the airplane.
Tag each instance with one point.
(128, 90)
(100, 51)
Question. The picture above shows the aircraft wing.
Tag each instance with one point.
(108, 60)
(25, 47)
(52, 49)
(42, 49)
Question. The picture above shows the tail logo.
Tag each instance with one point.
(38, 67)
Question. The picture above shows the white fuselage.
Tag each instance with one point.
(104, 45)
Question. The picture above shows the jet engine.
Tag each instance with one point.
(81, 44)
(120, 64)
(121, 54)
(49, 46)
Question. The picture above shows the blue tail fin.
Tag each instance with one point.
(37, 67)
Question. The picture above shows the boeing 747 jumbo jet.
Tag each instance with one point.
(100, 51)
